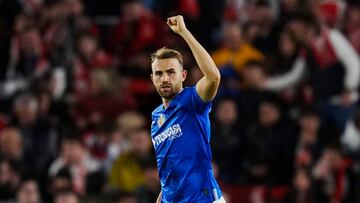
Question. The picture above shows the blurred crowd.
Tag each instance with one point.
(76, 98)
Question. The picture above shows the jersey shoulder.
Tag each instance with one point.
(184, 94)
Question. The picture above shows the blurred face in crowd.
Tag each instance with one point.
(269, 114)
(310, 123)
(286, 45)
(354, 14)
(21, 22)
(302, 181)
(232, 36)
(26, 109)
(61, 183)
(132, 10)
(11, 143)
(87, 46)
(101, 81)
(56, 11)
(73, 151)
(251, 31)
(30, 42)
(253, 76)
(66, 197)
(300, 30)
(141, 62)
(75, 7)
(226, 112)
(168, 77)
(141, 141)
(262, 15)
(289, 5)
(130, 121)
(28, 193)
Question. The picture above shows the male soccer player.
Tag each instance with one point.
(180, 129)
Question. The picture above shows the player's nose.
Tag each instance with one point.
(165, 78)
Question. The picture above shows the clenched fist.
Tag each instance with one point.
(177, 24)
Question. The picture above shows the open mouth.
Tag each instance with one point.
(165, 87)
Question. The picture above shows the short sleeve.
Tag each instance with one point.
(196, 103)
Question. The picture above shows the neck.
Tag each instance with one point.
(167, 101)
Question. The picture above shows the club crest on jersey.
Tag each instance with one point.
(161, 120)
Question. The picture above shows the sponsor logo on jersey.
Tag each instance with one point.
(170, 133)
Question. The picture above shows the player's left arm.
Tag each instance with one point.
(208, 85)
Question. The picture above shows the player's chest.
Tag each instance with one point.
(166, 126)
(164, 118)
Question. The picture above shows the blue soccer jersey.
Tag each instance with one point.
(181, 138)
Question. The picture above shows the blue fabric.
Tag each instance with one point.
(181, 138)
(335, 114)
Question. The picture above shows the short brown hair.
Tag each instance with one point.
(166, 53)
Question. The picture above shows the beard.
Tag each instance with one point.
(167, 92)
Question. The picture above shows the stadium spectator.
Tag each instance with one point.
(305, 190)
(66, 196)
(28, 192)
(62, 181)
(81, 165)
(310, 143)
(101, 104)
(127, 172)
(138, 29)
(269, 146)
(89, 57)
(234, 51)
(149, 192)
(11, 144)
(227, 141)
(39, 136)
(78, 67)
(352, 24)
(10, 177)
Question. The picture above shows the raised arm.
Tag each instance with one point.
(208, 85)
(289, 79)
(347, 55)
